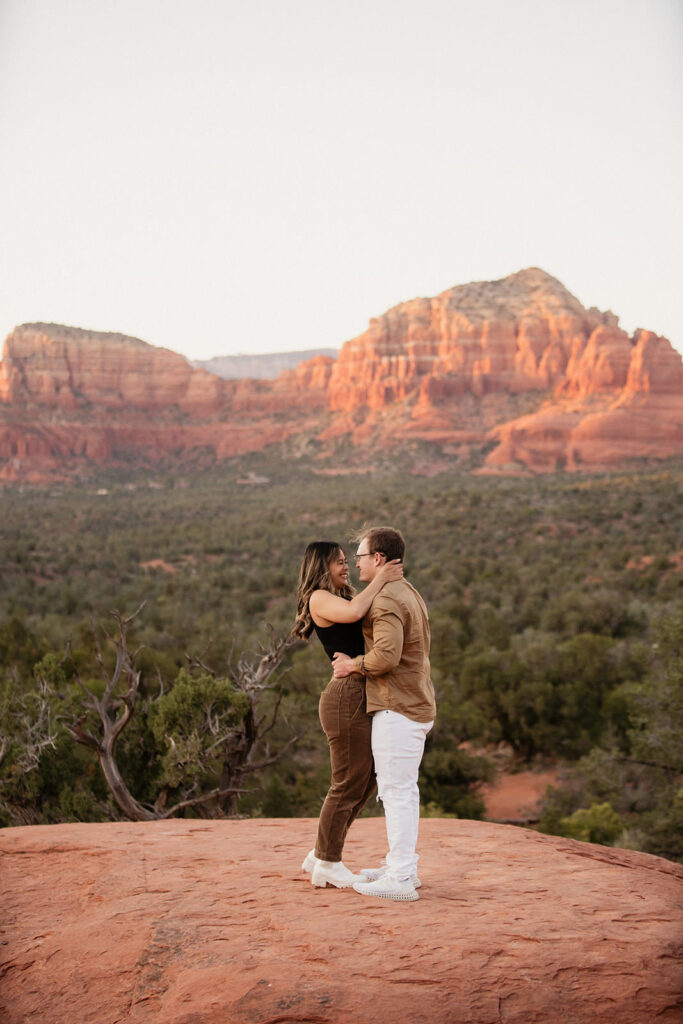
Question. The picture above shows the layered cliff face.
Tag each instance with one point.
(70, 397)
(517, 334)
(621, 399)
(56, 367)
(50, 367)
(516, 365)
(463, 365)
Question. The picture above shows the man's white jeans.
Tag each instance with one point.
(397, 747)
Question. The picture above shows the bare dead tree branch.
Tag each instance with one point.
(81, 736)
(197, 662)
(197, 801)
(234, 741)
(255, 767)
(273, 717)
(220, 741)
(114, 713)
(35, 728)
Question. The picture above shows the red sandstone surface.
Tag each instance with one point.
(516, 363)
(205, 922)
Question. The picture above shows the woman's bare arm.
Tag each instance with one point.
(329, 607)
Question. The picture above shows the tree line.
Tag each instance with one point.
(555, 606)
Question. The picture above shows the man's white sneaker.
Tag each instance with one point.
(327, 872)
(371, 874)
(387, 888)
(310, 861)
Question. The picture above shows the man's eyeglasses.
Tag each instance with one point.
(366, 554)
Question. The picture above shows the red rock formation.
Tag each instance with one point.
(64, 368)
(639, 416)
(655, 366)
(518, 362)
(602, 364)
(516, 334)
(582, 379)
(69, 398)
(204, 921)
(48, 367)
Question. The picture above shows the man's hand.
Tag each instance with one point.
(342, 665)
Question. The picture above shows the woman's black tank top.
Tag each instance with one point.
(346, 637)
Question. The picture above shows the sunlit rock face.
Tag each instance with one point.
(516, 368)
(621, 399)
(593, 395)
(516, 334)
(70, 398)
(64, 367)
(55, 367)
(189, 921)
(655, 366)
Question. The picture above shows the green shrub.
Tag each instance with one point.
(599, 823)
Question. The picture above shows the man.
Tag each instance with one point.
(400, 697)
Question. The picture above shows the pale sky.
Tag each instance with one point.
(225, 176)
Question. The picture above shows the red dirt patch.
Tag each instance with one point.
(158, 563)
(517, 797)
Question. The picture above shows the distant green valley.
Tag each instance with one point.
(557, 626)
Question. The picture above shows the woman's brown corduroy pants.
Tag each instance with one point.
(348, 728)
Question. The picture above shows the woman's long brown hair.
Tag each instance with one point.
(315, 575)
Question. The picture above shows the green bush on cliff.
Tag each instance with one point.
(449, 780)
(190, 725)
(598, 823)
(637, 767)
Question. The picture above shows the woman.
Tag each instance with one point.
(325, 603)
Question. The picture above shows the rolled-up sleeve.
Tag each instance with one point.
(387, 642)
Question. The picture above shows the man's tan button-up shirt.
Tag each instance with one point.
(396, 665)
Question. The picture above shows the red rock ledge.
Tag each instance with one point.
(197, 922)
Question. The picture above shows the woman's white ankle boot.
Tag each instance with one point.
(327, 872)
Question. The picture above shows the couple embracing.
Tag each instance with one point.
(378, 707)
